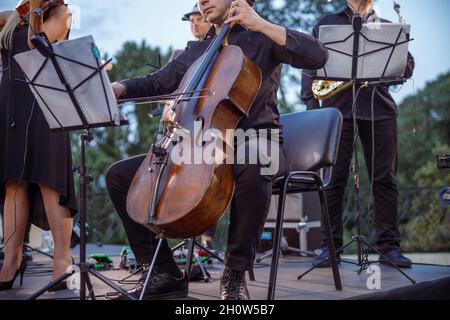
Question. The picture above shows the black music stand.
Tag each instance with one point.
(53, 64)
(357, 77)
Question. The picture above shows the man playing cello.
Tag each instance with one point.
(268, 45)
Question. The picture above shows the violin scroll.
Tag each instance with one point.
(24, 9)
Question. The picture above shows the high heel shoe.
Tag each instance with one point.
(7, 285)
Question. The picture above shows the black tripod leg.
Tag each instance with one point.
(209, 252)
(38, 251)
(150, 270)
(388, 260)
(89, 286)
(189, 257)
(202, 268)
(51, 285)
(111, 284)
(132, 275)
(300, 277)
(266, 255)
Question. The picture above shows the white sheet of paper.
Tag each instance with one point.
(370, 66)
(57, 106)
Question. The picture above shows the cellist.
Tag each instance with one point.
(268, 45)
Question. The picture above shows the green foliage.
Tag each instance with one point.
(424, 124)
(429, 229)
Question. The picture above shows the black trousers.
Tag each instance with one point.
(385, 192)
(249, 209)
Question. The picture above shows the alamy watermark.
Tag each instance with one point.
(233, 147)
(374, 280)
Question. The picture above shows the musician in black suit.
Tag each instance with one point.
(384, 121)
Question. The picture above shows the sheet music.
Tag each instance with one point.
(57, 106)
(370, 66)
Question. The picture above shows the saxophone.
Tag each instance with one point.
(325, 89)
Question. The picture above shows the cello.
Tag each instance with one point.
(184, 200)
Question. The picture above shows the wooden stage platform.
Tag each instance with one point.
(318, 285)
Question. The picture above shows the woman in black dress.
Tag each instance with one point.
(36, 179)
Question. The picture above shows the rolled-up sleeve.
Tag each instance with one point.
(306, 92)
(301, 51)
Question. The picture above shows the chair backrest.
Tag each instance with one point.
(311, 139)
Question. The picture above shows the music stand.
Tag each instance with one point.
(364, 54)
(65, 79)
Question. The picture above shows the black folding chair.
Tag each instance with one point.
(311, 143)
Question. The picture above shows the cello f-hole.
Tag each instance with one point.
(199, 138)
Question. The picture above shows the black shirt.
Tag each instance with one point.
(384, 105)
(301, 51)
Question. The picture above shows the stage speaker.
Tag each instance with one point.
(301, 226)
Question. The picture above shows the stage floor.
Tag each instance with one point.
(318, 285)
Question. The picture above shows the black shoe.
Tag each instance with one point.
(7, 285)
(323, 260)
(233, 286)
(160, 287)
(395, 256)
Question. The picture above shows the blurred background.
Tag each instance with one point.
(139, 34)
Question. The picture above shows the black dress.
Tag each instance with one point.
(36, 155)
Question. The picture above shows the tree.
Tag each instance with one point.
(424, 125)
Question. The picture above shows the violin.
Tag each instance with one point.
(184, 200)
(24, 9)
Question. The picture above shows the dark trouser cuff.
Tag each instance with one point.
(240, 265)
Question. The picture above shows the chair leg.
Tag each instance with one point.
(330, 240)
(251, 275)
(277, 241)
(189, 257)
